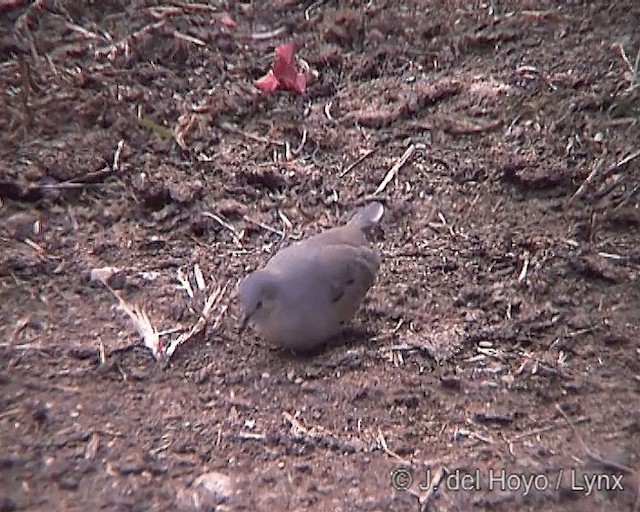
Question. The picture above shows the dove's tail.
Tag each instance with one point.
(368, 215)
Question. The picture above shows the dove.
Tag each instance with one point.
(308, 291)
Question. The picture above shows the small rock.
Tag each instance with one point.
(231, 209)
(215, 483)
(107, 275)
(303, 467)
(132, 465)
(500, 417)
(205, 493)
(308, 387)
(23, 225)
(185, 193)
(451, 383)
(68, 483)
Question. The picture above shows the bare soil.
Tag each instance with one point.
(502, 334)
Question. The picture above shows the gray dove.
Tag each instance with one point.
(307, 292)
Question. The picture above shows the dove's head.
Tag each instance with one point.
(258, 294)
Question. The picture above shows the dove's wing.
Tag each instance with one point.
(348, 272)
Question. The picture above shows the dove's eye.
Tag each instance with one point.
(259, 304)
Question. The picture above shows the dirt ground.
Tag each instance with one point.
(497, 354)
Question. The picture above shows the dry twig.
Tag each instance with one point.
(606, 173)
(264, 226)
(350, 167)
(214, 300)
(188, 38)
(124, 45)
(116, 156)
(226, 225)
(586, 183)
(234, 129)
(261, 36)
(394, 170)
(390, 453)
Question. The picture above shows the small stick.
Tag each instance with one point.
(197, 273)
(116, 157)
(314, 5)
(586, 183)
(103, 354)
(251, 436)
(160, 13)
(445, 224)
(196, 7)
(297, 427)
(479, 437)
(525, 268)
(264, 226)
(111, 50)
(40, 250)
(226, 225)
(285, 220)
(358, 162)
(188, 38)
(91, 178)
(623, 54)
(261, 36)
(186, 285)
(302, 142)
(610, 256)
(327, 111)
(26, 87)
(396, 167)
(182, 8)
(383, 444)
(593, 173)
(173, 330)
(620, 121)
(62, 186)
(213, 300)
(87, 33)
(233, 129)
(627, 159)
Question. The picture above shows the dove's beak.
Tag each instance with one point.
(244, 321)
